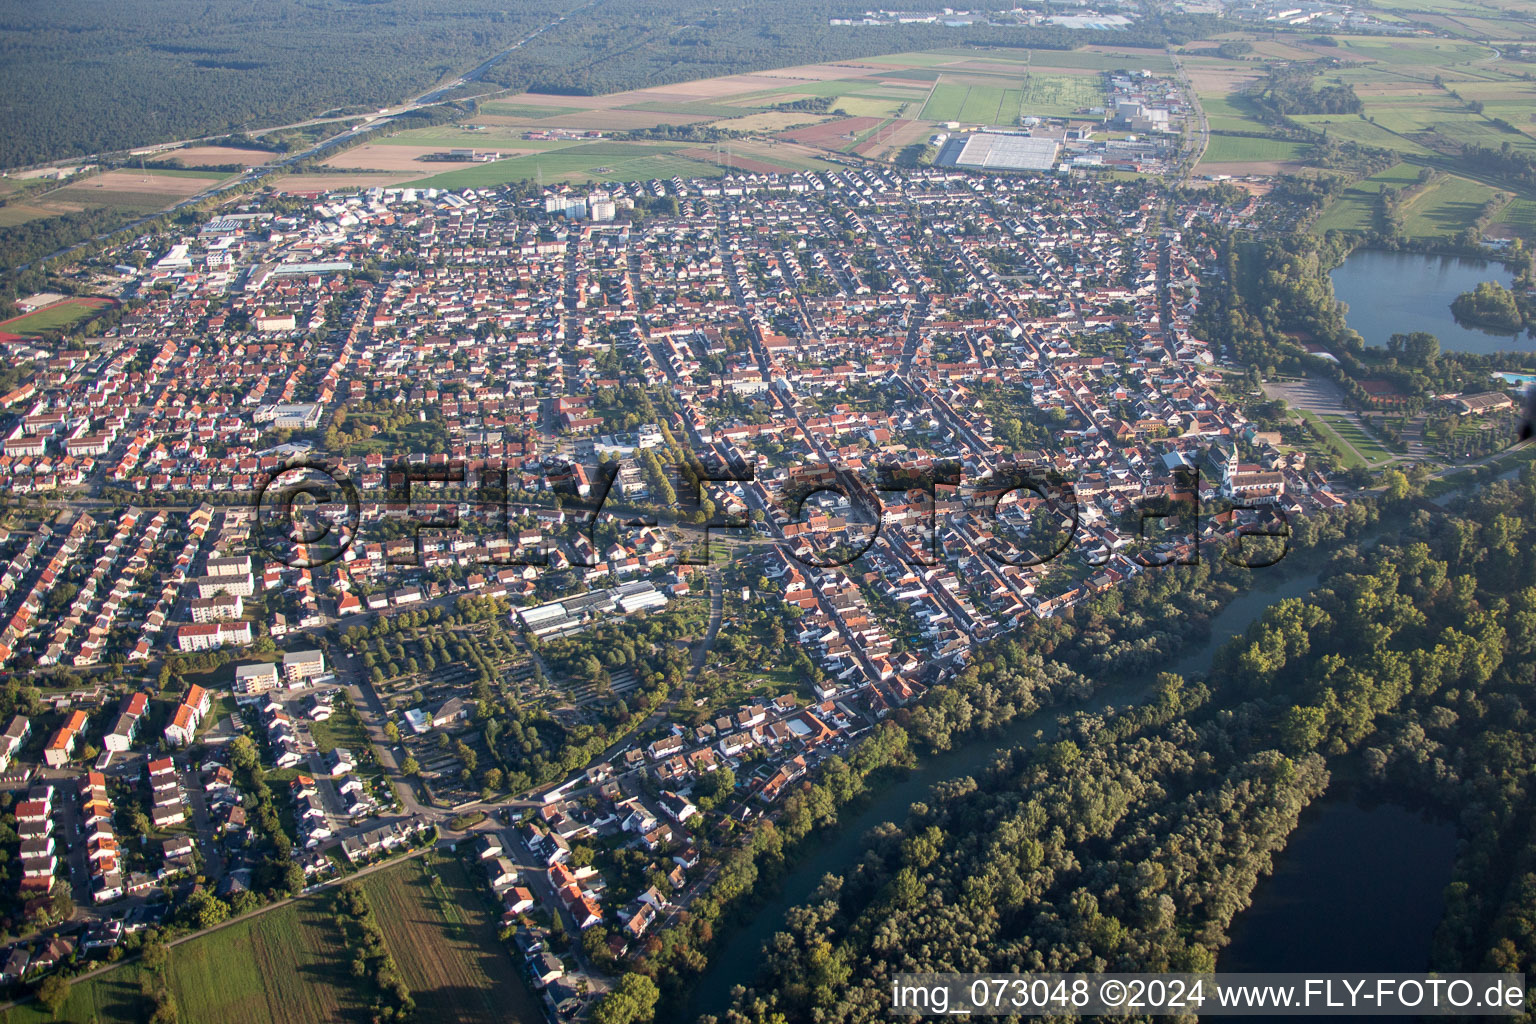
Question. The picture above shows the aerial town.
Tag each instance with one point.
(816, 406)
(639, 513)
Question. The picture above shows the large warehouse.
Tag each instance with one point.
(991, 151)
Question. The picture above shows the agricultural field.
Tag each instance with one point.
(435, 922)
(286, 966)
(314, 184)
(1355, 209)
(449, 136)
(1400, 51)
(1231, 113)
(1101, 58)
(597, 161)
(1420, 99)
(130, 191)
(567, 160)
(512, 108)
(887, 101)
(775, 121)
(854, 106)
(1440, 210)
(133, 191)
(1519, 218)
(54, 317)
(1057, 95)
(834, 134)
(379, 157)
(1445, 208)
(217, 156)
(111, 998)
(12, 214)
(1354, 128)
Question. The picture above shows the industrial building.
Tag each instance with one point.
(994, 151)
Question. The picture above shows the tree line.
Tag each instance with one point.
(1129, 841)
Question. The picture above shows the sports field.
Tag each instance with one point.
(1231, 149)
(1002, 98)
(54, 317)
(1372, 450)
(976, 104)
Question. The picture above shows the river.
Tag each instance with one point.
(1333, 828)
(1398, 292)
(838, 851)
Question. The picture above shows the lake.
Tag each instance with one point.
(1398, 292)
(1357, 888)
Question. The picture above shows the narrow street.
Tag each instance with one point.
(213, 860)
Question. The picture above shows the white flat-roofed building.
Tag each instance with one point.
(291, 416)
(989, 151)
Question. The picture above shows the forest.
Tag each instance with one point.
(1290, 90)
(80, 79)
(1130, 840)
(655, 42)
(1489, 305)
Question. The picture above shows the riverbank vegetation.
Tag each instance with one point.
(1124, 633)
(1132, 840)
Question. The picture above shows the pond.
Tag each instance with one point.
(1357, 888)
(1398, 292)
